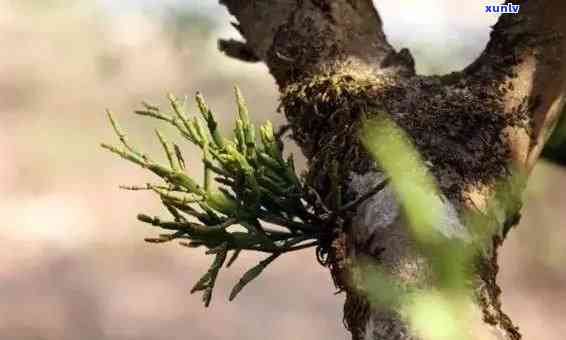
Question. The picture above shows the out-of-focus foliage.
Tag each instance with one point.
(439, 312)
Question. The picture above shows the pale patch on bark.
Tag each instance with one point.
(382, 211)
(379, 230)
(517, 138)
(554, 111)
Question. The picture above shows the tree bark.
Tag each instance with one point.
(476, 129)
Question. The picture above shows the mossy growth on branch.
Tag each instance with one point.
(326, 111)
(258, 202)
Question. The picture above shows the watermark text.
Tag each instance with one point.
(503, 9)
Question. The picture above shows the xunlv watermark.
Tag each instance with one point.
(504, 9)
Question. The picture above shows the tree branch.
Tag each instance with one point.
(299, 38)
(526, 54)
(334, 67)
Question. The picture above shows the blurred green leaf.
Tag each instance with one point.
(414, 185)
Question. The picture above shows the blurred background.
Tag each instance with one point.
(73, 264)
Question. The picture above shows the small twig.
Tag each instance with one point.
(354, 204)
(282, 130)
(121, 135)
(135, 187)
(167, 149)
(179, 156)
(303, 246)
(319, 203)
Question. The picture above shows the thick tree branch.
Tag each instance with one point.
(300, 38)
(526, 52)
(475, 128)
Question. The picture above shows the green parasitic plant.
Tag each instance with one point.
(251, 198)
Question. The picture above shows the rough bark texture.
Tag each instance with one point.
(333, 65)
